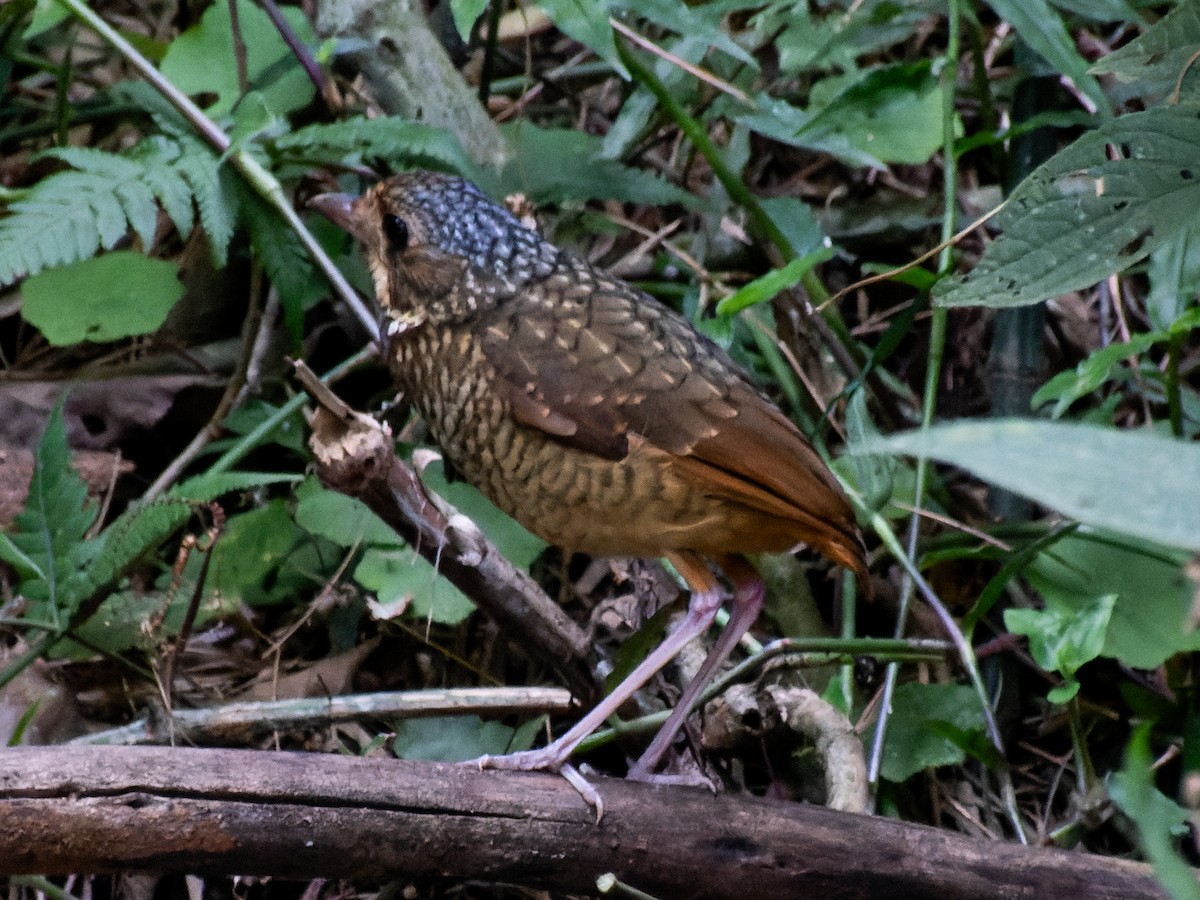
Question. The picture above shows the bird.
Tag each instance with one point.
(594, 415)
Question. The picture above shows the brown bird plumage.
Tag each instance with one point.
(595, 416)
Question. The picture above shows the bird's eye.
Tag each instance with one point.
(395, 229)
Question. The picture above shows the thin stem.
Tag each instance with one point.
(1174, 399)
(937, 343)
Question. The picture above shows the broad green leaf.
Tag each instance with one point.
(698, 22)
(1159, 821)
(1064, 641)
(1043, 30)
(1082, 216)
(341, 519)
(798, 222)
(202, 59)
(1151, 621)
(1134, 483)
(892, 114)
(913, 743)
(450, 738)
(251, 552)
(402, 577)
(1174, 274)
(1151, 64)
(466, 14)
(117, 295)
(518, 546)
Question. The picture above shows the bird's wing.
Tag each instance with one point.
(591, 361)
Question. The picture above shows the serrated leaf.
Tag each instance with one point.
(287, 263)
(108, 297)
(46, 539)
(399, 141)
(551, 165)
(1082, 215)
(208, 487)
(68, 216)
(1135, 483)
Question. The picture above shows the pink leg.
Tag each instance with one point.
(747, 603)
(702, 609)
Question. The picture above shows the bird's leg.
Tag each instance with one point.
(702, 609)
(747, 603)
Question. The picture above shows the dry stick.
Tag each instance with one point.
(255, 343)
(356, 456)
(307, 815)
(257, 717)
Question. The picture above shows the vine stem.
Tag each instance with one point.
(262, 181)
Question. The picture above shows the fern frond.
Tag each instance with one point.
(388, 137)
(70, 215)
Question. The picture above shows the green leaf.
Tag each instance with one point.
(1151, 621)
(1132, 482)
(202, 59)
(450, 738)
(45, 542)
(519, 546)
(1043, 30)
(68, 216)
(587, 22)
(1150, 65)
(1062, 641)
(700, 23)
(399, 141)
(400, 578)
(551, 165)
(767, 287)
(341, 519)
(1067, 387)
(117, 295)
(798, 223)
(891, 114)
(252, 549)
(466, 14)
(1081, 216)
(1159, 821)
(914, 743)
(287, 263)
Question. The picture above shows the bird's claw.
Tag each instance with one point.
(540, 761)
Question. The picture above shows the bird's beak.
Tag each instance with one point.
(338, 209)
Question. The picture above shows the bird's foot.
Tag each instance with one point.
(546, 759)
(693, 778)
